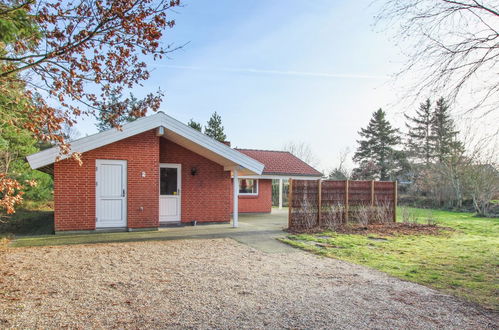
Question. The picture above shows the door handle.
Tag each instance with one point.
(123, 193)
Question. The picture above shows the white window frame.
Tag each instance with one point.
(248, 194)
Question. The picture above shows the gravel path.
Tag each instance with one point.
(216, 283)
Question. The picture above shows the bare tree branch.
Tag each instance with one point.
(452, 46)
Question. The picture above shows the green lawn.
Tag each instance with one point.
(464, 262)
(31, 218)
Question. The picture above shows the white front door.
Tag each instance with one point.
(169, 192)
(110, 193)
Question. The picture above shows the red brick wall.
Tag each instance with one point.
(205, 196)
(256, 204)
(74, 185)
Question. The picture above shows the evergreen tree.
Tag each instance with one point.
(111, 115)
(194, 124)
(214, 129)
(338, 173)
(419, 136)
(444, 134)
(377, 147)
(15, 144)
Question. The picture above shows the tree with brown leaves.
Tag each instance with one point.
(64, 59)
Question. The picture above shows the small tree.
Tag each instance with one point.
(377, 147)
(444, 181)
(118, 111)
(194, 124)
(482, 174)
(340, 172)
(367, 170)
(483, 185)
(214, 128)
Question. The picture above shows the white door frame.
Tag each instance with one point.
(179, 188)
(98, 163)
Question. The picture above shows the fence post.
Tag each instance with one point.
(290, 201)
(372, 192)
(319, 202)
(395, 197)
(347, 208)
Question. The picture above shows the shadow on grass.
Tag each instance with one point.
(31, 220)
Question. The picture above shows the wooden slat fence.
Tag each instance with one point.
(329, 204)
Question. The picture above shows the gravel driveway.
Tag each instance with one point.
(215, 283)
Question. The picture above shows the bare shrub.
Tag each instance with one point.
(371, 214)
(363, 214)
(430, 219)
(382, 213)
(306, 216)
(332, 216)
(304, 204)
(408, 216)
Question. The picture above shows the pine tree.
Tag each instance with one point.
(194, 124)
(377, 147)
(214, 129)
(444, 134)
(107, 119)
(419, 136)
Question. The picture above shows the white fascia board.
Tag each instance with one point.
(94, 141)
(275, 177)
(46, 157)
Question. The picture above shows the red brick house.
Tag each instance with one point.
(154, 171)
(255, 191)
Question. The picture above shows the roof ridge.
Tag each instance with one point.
(249, 149)
(281, 162)
(220, 151)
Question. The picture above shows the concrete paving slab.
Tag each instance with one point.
(256, 230)
(259, 231)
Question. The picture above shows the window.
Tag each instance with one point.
(248, 187)
(168, 181)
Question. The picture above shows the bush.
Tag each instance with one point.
(43, 191)
(305, 218)
(332, 216)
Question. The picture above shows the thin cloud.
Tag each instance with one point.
(276, 72)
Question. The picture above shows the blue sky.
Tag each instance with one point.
(278, 71)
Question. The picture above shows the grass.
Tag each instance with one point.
(463, 262)
(32, 218)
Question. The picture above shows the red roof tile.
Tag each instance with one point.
(281, 163)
